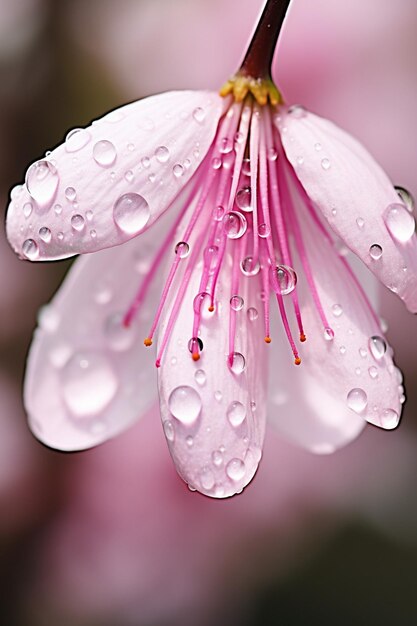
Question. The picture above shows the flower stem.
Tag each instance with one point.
(258, 60)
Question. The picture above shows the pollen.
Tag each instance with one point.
(195, 356)
(297, 360)
(303, 338)
(267, 339)
(147, 342)
(211, 308)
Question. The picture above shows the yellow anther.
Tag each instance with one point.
(263, 90)
(147, 342)
(268, 339)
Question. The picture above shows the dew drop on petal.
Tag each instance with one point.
(169, 430)
(42, 181)
(373, 372)
(252, 314)
(218, 213)
(337, 310)
(217, 458)
(27, 209)
(399, 222)
(162, 154)
(45, 234)
(218, 395)
(78, 222)
(235, 469)
(283, 279)
(200, 377)
(226, 145)
(325, 163)
(216, 163)
(264, 230)
(237, 363)
(185, 404)
(249, 266)
(342, 350)
(357, 400)
(70, 194)
(377, 347)
(272, 154)
(234, 224)
(131, 213)
(189, 441)
(207, 479)
(297, 111)
(195, 345)
(244, 199)
(89, 383)
(328, 333)
(360, 222)
(406, 197)
(375, 252)
(236, 413)
(104, 153)
(30, 249)
(236, 303)
(246, 167)
(389, 419)
(77, 139)
(199, 115)
(182, 249)
(178, 170)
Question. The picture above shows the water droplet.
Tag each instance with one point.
(234, 224)
(199, 115)
(77, 222)
(406, 197)
(218, 396)
(264, 230)
(104, 153)
(182, 249)
(237, 363)
(207, 479)
(195, 345)
(131, 213)
(216, 163)
(250, 266)
(399, 222)
(189, 441)
(244, 198)
(70, 194)
(48, 319)
(325, 163)
(42, 181)
(30, 249)
(358, 371)
(337, 310)
(226, 145)
(129, 176)
(45, 234)
(389, 419)
(162, 154)
(375, 252)
(199, 300)
(235, 469)
(217, 458)
(300, 160)
(236, 303)
(185, 404)
(373, 372)
(252, 314)
(27, 209)
(246, 167)
(377, 347)
(89, 215)
(60, 236)
(342, 350)
(178, 170)
(119, 337)
(77, 139)
(297, 111)
(58, 209)
(236, 413)
(169, 430)
(93, 233)
(211, 254)
(89, 383)
(317, 147)
(283, 279)
(200, 377)
(218, 213)
(272, 154)
(357, 400)
(131, 147)
(145, 162)
(328, 333)
(360, 222)
(363, 352)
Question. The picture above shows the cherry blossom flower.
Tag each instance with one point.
(261, 195)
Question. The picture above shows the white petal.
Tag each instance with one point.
(341, 383)
(354, 195)
(214, 421)
(112, 180)
(89, 377)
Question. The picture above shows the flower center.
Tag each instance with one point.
(242, 207)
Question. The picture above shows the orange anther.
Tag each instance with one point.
(268, 339)
(147, 342)
(297, 360)
(303, 337)
(196, 356)
(211, 308)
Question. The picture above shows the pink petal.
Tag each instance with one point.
(112, 180)
(355, 197)
(341, 383)
(214, 420)
(88, 376)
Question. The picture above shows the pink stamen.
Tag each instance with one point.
(237, 254)
(254, 161)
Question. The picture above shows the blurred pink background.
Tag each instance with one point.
(112, 536)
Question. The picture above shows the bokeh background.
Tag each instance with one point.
(111, 537)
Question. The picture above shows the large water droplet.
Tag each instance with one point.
(375, 252)
(264, 231)
(236, 413)
(78, 222)
(235, 469)
(283, 279)
(357, 400)
(399, 222)
(70, 194)
(77, 139)
(185, 404)
(389, 419)
(236, 362)
(377, 347)
(250, 266)
(234, 224)
(182, 249)
(405, 197)
(131, 213)
(45, 234)
(244, 199)
(30, 249)
(178, 170)
(236, 303)
(337, 310)
(252, 314)
(42, 182)
(162, 154)
(104, 153)
(89, 383)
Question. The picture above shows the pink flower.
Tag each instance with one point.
(261, 195)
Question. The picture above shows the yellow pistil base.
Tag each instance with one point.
(263, 90)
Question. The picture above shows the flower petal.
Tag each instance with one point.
(214, 420)
(88, 376)
(355, 197)
(112, 180)
(341, 381)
